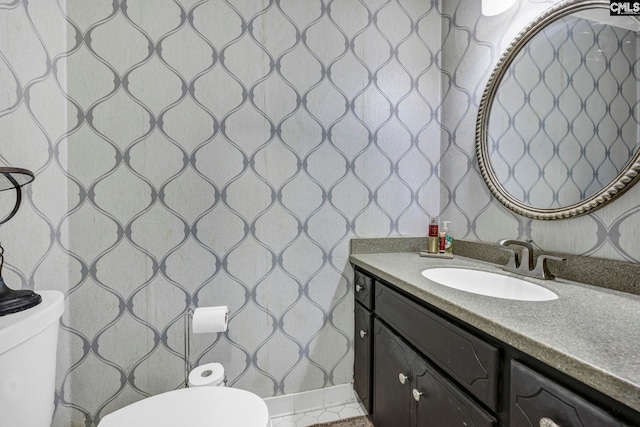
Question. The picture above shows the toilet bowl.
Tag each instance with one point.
(194, 407)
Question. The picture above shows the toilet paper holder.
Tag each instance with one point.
(188, 316)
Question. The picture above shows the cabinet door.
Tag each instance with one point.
(425, 399)
(392, 379)
(362, 341)
(538, 401)
(440, 404)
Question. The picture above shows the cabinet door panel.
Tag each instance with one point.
(362, 373)
(440, 404)
(392, 399)
(535, 398)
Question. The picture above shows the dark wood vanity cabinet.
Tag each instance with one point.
(534, 397)
(469, 360)
(416, 368)
(363, 340)
(363, 287)
(362, 366)
(408, 390)
(395, 367)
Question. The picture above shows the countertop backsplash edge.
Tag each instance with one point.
(605, 273)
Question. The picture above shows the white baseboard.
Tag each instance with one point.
(310, 400)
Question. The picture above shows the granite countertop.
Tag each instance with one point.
(590, 333)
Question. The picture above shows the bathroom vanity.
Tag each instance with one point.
(429, 355)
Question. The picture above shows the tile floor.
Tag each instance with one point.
(323, 415)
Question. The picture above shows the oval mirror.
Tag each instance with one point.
(558, 123)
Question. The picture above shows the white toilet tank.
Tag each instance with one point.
(28, 342)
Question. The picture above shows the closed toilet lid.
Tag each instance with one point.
(193, 407)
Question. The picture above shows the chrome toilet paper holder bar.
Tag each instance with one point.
(188, 316)
(187, 345)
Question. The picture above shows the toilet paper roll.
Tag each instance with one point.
(210, 374)
(210, 319)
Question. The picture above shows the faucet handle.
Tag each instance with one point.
(524, 260)
(514, 260)
(541, 269)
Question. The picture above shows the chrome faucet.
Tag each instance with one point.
(522, 262)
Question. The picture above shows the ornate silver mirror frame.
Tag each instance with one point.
(622, 182)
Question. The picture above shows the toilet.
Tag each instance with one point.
(194, 407)
(28, 345)
(205, 403)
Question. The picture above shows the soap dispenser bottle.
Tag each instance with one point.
(446, 241)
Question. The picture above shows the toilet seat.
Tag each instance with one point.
(194, 407)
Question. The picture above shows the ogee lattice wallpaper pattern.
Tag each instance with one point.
(566, 122)
(212, 152)
(112, 218)
(472, 45)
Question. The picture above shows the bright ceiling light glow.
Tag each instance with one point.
(496, 7)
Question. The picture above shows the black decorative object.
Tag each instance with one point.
(13, 179)
(12, 301)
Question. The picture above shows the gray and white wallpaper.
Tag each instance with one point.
(207, 152)
(472, 45)
(563, 123)
(195, 153)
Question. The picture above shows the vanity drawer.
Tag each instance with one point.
(472, 362)
(362, 344)
(538, 401)
(363, 288)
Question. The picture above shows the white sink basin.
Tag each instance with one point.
(489, 284)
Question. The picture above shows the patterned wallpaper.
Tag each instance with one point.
(205, 152)
(194, 153)
(472, 45)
